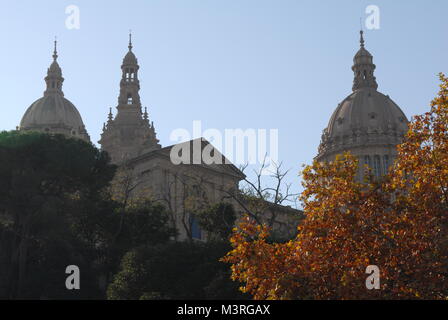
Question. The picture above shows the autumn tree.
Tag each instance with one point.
(397, 223)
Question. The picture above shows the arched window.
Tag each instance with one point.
(130, 101)
(126, 74)
(377, 166)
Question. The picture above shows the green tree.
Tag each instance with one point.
(46, 182)
(218, 221)
(175, 270)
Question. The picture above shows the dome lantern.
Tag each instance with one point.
(363, 68)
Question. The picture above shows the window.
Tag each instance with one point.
(129, 74)
(367, 161)
(196, 232)
(130, 99)
(377, 166)
(386, 164)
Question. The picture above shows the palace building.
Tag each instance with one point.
(367, 123)
(130, 139)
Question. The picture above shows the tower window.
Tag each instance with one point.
(130, 75)
(130, 101)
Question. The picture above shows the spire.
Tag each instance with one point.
(130, 40)
(363, 67)
(55, 52)
(110, 116)
(361, 41)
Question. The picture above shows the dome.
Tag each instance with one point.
(53, 113)
(129, 59)
(52, 110)
(367, 123)
(366, 117)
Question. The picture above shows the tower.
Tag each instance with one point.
(367, 123)
(130, 133)
(53, 113)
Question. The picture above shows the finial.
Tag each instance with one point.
(362, 38)
(145, 115)
(110, 114)
(55, 52)
(130, 40)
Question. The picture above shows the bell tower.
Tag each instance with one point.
(130, 133)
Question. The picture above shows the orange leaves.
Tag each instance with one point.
(399, 224)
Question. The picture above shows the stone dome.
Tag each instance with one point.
(365, 117)
(367, 123)
(53, 113)
(52, 110)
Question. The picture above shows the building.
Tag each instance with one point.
(146, 169)
(367, 123)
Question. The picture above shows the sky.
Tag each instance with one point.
(232, 64)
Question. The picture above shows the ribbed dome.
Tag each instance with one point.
(52, 110)
(366, 117)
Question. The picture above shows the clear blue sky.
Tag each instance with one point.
(281, 64)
